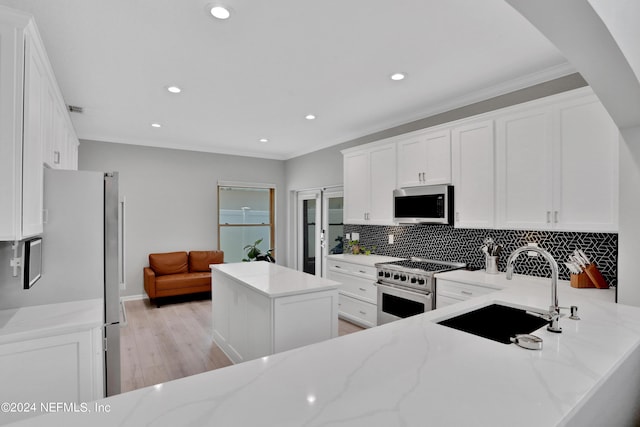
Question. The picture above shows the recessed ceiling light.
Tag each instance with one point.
(398, 76)
(264, 140)
(155, 125)
(174, 89)
(220, 12)
(310, 117)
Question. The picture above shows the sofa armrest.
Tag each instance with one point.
(150, 282)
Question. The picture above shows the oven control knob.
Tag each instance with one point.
(420, 281)
(396, 276)
(380, 273)
(387, 274)
(414, 280)
(403, 277)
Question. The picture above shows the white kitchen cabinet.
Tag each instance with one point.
(586, 167)
(557, 166)
(524, 170)
(260, 308)
(450, 292)
(473, 153)
(369, 181)
(27, 123)
(424, 158)
(358, 293)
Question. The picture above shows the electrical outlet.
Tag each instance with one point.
(348, 236)
(391, 239)
(535, 245)
(355, 236)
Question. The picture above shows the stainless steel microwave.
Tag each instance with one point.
(429, 204)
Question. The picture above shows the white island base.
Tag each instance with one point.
(260, 308)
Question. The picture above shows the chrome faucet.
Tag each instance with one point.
(554, 310)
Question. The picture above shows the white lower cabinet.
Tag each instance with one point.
(248, 324)
(450, 292)
(65, 368)
(358, 298)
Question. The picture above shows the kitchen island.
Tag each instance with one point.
(414, 372)
(260, 308)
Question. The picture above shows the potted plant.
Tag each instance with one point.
(255, 254)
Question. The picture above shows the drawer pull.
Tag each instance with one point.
(363, 289)
(363, 272)
(337, 266)
(362, 312)
(466, 293)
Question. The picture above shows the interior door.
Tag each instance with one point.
(320, 228)
(332, 232)
(309, 231)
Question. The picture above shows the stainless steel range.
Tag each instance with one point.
(407, 287)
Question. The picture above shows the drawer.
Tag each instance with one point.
(355, 269)
(356, 286)
(357, 311)
(443, 300)
(461, 291)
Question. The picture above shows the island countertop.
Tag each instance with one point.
(273, 280)
(414, 372)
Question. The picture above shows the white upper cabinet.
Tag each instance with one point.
(369, 181)
(424, 158)
(29, 125)
(557, 167)
(473, 174)
(524, 170)
(586, 175)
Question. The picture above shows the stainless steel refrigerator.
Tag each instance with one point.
(82, 250)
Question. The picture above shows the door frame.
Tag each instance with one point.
(320, 194)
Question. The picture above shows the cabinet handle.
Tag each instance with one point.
(56, 157)
(548, 217)
(363, 272)
(466, 293)
(362, 312)
(337, 266)
(363, 289)
(555, 216)
(457, 216)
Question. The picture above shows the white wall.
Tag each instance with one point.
(171, 197)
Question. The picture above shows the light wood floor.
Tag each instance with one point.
(171, 342)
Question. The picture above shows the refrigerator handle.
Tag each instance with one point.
(122, 240)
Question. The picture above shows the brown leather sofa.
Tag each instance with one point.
(179, 273)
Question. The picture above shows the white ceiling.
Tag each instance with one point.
(257, 74)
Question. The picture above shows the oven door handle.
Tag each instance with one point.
(409, 291)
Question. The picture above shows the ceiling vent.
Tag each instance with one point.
(74, 109)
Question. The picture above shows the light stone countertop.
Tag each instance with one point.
(273, 280)
(38, 321)
(368, 260)
(412, 372)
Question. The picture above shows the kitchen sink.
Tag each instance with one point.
(496, 322)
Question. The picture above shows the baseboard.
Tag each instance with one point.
(132, 297)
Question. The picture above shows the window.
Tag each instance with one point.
(245, 214)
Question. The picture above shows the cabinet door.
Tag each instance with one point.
(524, 170)
(382, 183)
(412, 163)
(473, 175)
(438, 158)
(586, 193)
(35, 95)
(356, 187)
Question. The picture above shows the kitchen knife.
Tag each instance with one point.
(584, 256)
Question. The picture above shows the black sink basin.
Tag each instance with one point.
(496, 322)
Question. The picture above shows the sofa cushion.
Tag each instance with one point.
(200, 260)
(182, 280)
(168, 263)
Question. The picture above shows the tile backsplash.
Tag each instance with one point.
(446, 243)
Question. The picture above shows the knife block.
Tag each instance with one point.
(596, 277)
(581, 280)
